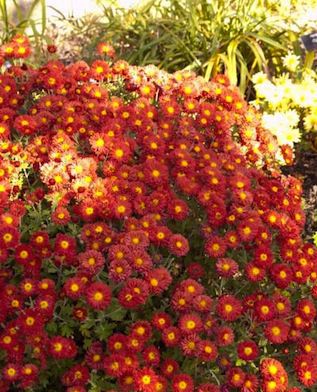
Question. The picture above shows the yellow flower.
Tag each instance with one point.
(291, 62)
(259, 77)
(310, 122)
(315, 238)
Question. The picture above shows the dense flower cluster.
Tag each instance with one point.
(288, 103)
(147, 242)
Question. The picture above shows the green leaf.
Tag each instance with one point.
(115, 311)
(104, 330)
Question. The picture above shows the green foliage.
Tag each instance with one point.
(240, 37)
(23, 17)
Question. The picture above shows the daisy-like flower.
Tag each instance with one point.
(145, 380)
(248, 350)
(178, 245)
(207, 350)
(98, 295)
(228, 308)
(134, 293)
(182, 383)
(226, 267)
(91, 261)
(62, 348)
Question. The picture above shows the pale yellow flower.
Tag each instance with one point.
(291, 62)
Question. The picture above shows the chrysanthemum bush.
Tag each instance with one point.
(147, 240)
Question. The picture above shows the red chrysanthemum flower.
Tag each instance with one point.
(161, 320)
(182, 383)
(202, 303)
(9, 237)
(307, 346)
(224, 335)
(169, 367)
(190, 323)
(91, 261)
(151, 356)
(11, 372)
(76, 375)
(227, 267)
(159, 280)
(308, 375)
(248, 350)
(134, 293)
(178, 245)
(189, 345)
(215, 246)
(228, 308)
(250, 383)
(264, 309)
(272, 370)
(276, 331)
(281, 275)
(62, 348)
(142, 329)
(207, 350)
(195, 270)
(171, 336)
(235, 377)
(114, 365)
(98, 295)
(306, 309)
(145, 380)
(119, 270)
(74, 287)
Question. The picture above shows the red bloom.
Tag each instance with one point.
(161, 320)
(264, 309)
(11, 372)
(250, 384)
(145, 380)
(276, 331)
(151, 356)
(306, 309)
(178, 245)
(224, 335)
(76, 375)
(235, 377)
(226, 267)
(9, 237)
(182, 383)
(248, 350)
(171, 336)
(189, 345)
(190, 323)
(134, 293)
(98, 295)
(114, 365)
(25, 124)
(159, 280)
(207, 350)
(74, 287)
(169, 367)
(142, 329)
(281, 275)
(119, 270)
(62, 348)
(215, 247)
(228, 308)
(91, 261)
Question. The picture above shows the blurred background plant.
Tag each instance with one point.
(289, 103)
(239, 37)
(23, 17)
